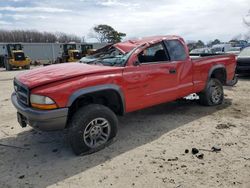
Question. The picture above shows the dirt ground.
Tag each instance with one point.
(149, 150)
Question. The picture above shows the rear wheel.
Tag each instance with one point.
(91, 128)
(27, 67)
(213, 93)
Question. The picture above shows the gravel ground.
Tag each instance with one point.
(149, 150)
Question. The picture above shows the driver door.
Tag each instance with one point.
(153, 81)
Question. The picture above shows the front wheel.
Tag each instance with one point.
(91, 128)
(27, 67)
(213, 94)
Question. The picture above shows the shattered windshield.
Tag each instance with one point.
(109, 57)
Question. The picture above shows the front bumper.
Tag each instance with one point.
(47, 120)
(20, 63)
(243, 69)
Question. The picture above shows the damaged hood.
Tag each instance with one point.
(53, 73)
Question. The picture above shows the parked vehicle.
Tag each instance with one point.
(85, 98)
(14, 57)
(243, 61)
(70, 53)
(234, 50)
(221, 48)
(239, 43)
(86, 49)
(50, 53)
(201, 51)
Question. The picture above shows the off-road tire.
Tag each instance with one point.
(27, 67)
(208, 97)
(82, 119)
(8, 66)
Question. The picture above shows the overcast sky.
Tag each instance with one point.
(192, 19)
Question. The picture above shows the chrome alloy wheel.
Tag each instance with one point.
(216, 94)
(97, 132)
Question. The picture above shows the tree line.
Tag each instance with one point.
(102, 33)
(30, 36)
(200, 44)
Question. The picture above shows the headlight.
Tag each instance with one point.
(42, 102)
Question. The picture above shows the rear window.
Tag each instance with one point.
(176, 50)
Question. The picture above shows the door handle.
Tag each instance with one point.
(172, 71)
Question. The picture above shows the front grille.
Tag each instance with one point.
(22, 92)
(19, 56)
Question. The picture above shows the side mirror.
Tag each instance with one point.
(136, 63)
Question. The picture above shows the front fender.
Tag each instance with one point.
(94, 89)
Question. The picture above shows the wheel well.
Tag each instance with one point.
(220, 74)
(109, 98)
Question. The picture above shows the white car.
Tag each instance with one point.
(234, 50)
(201, 51)
(221, 48)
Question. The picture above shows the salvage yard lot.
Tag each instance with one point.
(148, 151)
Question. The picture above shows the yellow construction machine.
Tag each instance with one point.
(70, 53)
(15, 57)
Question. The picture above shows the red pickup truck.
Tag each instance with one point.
(85, 97)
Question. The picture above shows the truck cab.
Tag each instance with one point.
(86, 49)
(70, 53)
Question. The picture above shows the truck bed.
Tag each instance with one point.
(202, 65)
(199, 56)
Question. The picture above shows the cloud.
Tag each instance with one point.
(193, 19)
(247, 18)
(15, 0)
(18, 17)
(34, 9)
(115, 3)
(4, 23)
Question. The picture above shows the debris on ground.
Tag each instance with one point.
(168, 130)
(174, 159)
(55, 150)
(215, 148)
(21, 177)
(195, 151)
(248, 159)
(224, 126)
(200, 156)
